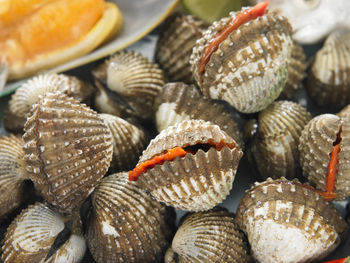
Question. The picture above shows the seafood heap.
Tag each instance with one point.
(106, 173)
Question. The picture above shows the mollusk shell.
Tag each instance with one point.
(68, 150)
(128, 141)
(174, 46)
(315, 146)
(179, 101)
(288, 222)
(195, 182)
(275, 146)
(211, 236)
(12, 173)
(126, 224)
(329, 77)
(250, 67)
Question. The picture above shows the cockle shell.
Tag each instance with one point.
(286, 221)
(128, 142)
(126, 224)
(195, 182)
(68, 150)
(175, 43)
(179, 101)
(275, 145)
(315, 146)
(329, 78)
(250, 67)
(211, 236)
(12, 173)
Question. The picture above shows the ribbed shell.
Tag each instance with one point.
(179, 101)
(315, 146)
(345, 112)
(211, 236)
(68, 150)
(250, 68)
(195, 182)
(31, 235)
(12, 173)
(329, 77)
(128, 142)
(275, 146)
(286, 222)
(175, 43)
(126, 224)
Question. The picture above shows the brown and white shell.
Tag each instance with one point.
(211, 236)
(179, 101)
(315, 146)
(126, 224)
(286, 221)
(12, 173)
(68, 149)
(128, 142)
(175, 43)
(195, 182)
(329, 77)
(275, 145)
(250, 67)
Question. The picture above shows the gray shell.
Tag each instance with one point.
(288, 222)
(68, 150)
(126, 224)
(211, 236)
(195, 182)
(246, 70)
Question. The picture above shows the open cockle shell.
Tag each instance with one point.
(197, 181)
(315, 145)
(286, 221)
(250, 67)
(275, 145)
(126, 224)
(211, 236)
(179, 101)
(68, 150)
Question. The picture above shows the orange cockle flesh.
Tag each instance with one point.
(171, 154)
(240, 19)
(30, 28)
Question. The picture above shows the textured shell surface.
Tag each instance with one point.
(175, 43)
(275, 146)
(329, 77)
(128, 141)
(315, 146)
(31, 235)
(68, 149)
(12, 173)
(250, 67)
(179, 101)
(195, 182)
(126, 224)
(286, 221)
(211, 236)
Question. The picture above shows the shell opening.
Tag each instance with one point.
(175, 152)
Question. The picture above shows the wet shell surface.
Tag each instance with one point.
(329, 76)
(174, 46)
(68, 150)
(211, 236)
(126, 224)
(250, 67)
(316, 144)
(179, 101)
(128, 142)
(12, 173)
(286, 221)
(275, 145)
(199, 180)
